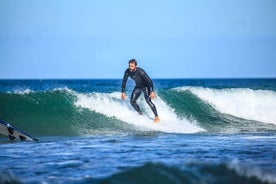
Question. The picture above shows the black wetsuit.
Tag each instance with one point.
(143, 84)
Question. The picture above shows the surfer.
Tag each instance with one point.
(143, 84)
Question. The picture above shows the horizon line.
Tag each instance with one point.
(156, 78)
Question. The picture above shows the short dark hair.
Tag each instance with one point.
(133, 61)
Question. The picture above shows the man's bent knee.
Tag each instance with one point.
(132, 102)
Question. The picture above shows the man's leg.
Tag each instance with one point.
(133, 100)
(148, 100)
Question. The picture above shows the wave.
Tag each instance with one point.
(257, 105)
(66, 112)
(233, 172)
(63, 111)
(193, 173)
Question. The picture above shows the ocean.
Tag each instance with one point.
(211, 131)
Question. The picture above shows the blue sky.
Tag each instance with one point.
(169, 38)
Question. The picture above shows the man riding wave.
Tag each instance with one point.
(143, 84)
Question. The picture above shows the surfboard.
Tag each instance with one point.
(14, 133)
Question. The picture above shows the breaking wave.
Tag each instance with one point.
(63, 111)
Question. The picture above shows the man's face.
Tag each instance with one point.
(132, 67)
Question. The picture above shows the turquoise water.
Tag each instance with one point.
(211, 131)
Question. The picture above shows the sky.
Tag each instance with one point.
(95, 39)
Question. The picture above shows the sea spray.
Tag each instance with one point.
(111, 105)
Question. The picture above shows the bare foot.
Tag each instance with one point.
(156, 120)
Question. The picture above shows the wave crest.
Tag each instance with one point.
(257, 105)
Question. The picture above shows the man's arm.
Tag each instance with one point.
(123, 95)
(124, 81)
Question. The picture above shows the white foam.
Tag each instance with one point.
(258, 105)
(66, 89)
(22, 91)
(251, 172)
(260, 137)
(111, 105)
(26, 91)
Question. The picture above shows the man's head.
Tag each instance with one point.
(132, 64)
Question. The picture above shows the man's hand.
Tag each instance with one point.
(123, 96)
(152, 95)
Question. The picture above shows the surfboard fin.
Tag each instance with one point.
(11, 137)
(10, 129)
(22, 138)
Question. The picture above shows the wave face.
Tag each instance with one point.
(70, 110)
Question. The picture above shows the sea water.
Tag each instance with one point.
(211, 131)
